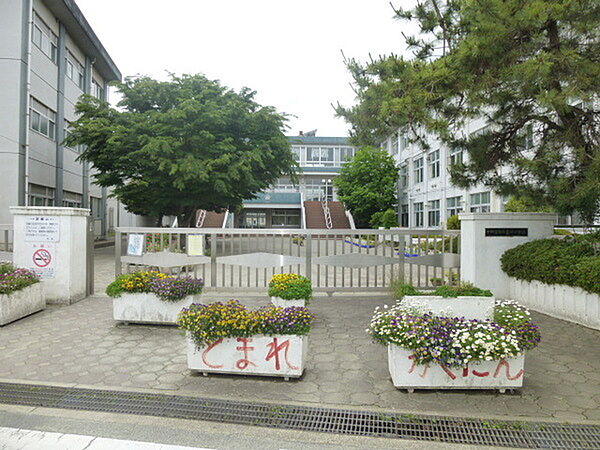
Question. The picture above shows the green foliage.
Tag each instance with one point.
(209, 323)
(572, 261)
(515, 204)
(453, 223)
(386, 219)
(559, 232)
(290, 286)
(7, 267)
(133, 282)
(14, 279)
(185, 144)
(367, 184)
(401, 289)
(530, 68)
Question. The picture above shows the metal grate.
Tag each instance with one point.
(360, 423)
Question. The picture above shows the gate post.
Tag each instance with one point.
(52, 241)
(486, 236)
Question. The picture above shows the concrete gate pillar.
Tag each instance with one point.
(52, 241)
(486, 236)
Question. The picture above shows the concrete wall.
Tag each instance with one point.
(480, 254)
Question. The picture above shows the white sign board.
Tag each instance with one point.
(42, 229)
(135, 244)
(42, 259)
(195, 245)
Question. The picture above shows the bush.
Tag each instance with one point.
(453, 223)
(167, 287)
(572, 261)
(290, 286)
(209, 323)
(401, 289)
(13, 279)
(386, 219)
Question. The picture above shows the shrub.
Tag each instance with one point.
(386, 219)
(455, 341)
(400, 289)
(573, 261)
(13, 279)
(290, 286)
(209, 323)
(453, 223)
(167, 287)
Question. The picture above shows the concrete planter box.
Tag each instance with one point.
(22, 303)
(480, 308)
(272, 356)
(149, 308)
(282, 303)
(501, 375)
(563, 302)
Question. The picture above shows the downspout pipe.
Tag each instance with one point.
(23, 189)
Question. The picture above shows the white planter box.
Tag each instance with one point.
(502, 375)
(149, 308)
(557, 300)
(480, 308)
(273, 356)
(282, 303)
(22, 303)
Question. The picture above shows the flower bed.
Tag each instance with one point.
(455, 352)
(21, 293)
(290, 289)
(229, 338)
(152, 297)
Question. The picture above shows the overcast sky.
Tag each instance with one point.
(287, 51)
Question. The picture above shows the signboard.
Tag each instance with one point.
(135, 244)
(506, 232)
(42, 259)
(42, 229)
(195, 245)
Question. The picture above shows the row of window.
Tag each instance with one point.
(322, 156)
(47, 41)
(433, 166)
(44, 196)
(479, 202)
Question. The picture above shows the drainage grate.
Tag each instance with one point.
(360, 423)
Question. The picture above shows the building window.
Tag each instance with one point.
(403, 142)
(74, 70)
(395, 139)
(418, 170)
(97, 90)
(72, 199)
(404, 216)
(43, 37)
(455, 157)
(96, 207)
(418, 214)
(42, 119)
(433, 213)
(296, 152)
(285, 218)
(433, 159)
(319, 156)
(252, 219)
(480, 202)
(404, 176)
(40, 195)
(453, 206)
(346, 154)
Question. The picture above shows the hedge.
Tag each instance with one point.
(573, 261)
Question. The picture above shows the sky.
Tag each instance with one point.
(290, 52)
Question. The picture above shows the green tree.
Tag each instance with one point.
(367, 184)
(529, 67)
(185, 144)
(386, 219)
(524, 204)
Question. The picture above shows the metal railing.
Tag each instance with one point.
(327, 215)
(335, 260)
(6, 241)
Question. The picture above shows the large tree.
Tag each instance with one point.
(531, 68)
(185, 144)
(367, 184)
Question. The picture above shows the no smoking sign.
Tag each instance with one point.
(42, 257)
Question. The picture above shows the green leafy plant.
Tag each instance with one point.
(290, 286)
(401, 289)
(572, 261)
(209, 323)
(386, 219)
(453, 223)
(167, 287)
(14, 279)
